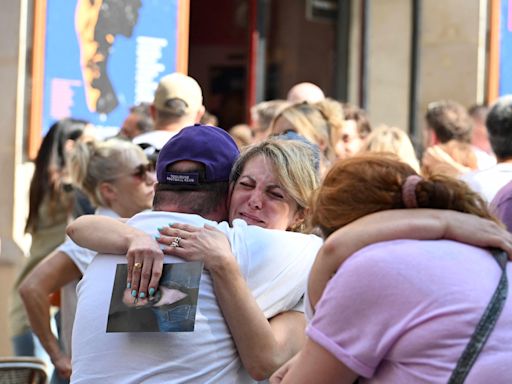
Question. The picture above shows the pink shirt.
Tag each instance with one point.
(502, 205)
(403, 311)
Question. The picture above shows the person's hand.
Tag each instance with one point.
(474, 230)
(190, 243)
(437, 161)
(133, 302)
(62, 364)
(278, 376)
(145, 263)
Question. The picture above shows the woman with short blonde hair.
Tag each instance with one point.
(293, 163)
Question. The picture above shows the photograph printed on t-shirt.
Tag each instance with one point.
(171, 309)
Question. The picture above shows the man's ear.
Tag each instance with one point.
(152, 111)
(108, 192)
(433, 138)
(230, 192)
(200, 114)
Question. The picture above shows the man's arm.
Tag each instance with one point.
(50, 275)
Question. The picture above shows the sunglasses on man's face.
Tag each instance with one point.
(142, 170)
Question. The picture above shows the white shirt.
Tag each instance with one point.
(275, 265)
(156, 138)
(82, 257)
(483, 159)
(489, 181)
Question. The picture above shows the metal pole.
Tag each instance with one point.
(257, 57)
(252, 62)
(262, 49)
(414, 131)
(363, 59)
(342, 50)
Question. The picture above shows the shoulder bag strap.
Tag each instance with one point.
(485, 325)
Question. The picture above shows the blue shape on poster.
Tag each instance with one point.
(127, 46)
(505, 86)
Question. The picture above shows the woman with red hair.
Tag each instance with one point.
(401, 311)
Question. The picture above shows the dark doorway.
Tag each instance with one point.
(218, 56)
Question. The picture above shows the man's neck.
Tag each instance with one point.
(171, 127)
(218, 215)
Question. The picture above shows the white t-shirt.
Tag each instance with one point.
(275, 265)
(489, 181)
(483, 159)
(82, 257)
(156, 138)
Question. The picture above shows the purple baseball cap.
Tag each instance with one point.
(211, 146)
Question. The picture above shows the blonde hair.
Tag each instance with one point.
(94, 162)
(294, 164)
(461, 153)
(242, 135)
(393, 140)
(265, 112)
(316, 122)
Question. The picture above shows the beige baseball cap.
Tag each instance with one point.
(178, 86)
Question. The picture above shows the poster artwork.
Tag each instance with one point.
(103, 56)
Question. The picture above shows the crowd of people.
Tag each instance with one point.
(330, 252)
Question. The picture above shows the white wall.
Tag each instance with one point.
(389, 62)
(15, 176)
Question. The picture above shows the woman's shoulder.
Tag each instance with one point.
(417, 263)
(409, 250)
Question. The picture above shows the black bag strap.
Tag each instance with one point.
(485, 325)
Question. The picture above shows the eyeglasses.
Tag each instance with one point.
(142, 170)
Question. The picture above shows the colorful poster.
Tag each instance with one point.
(103, 56)
(505, 70)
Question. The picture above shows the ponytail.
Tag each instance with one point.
(369, 183)
(93, 163)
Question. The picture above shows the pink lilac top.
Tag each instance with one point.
(502, 205)
(403, 311)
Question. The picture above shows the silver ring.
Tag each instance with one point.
(176, 242)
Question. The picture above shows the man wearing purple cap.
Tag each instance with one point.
(193, 174)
